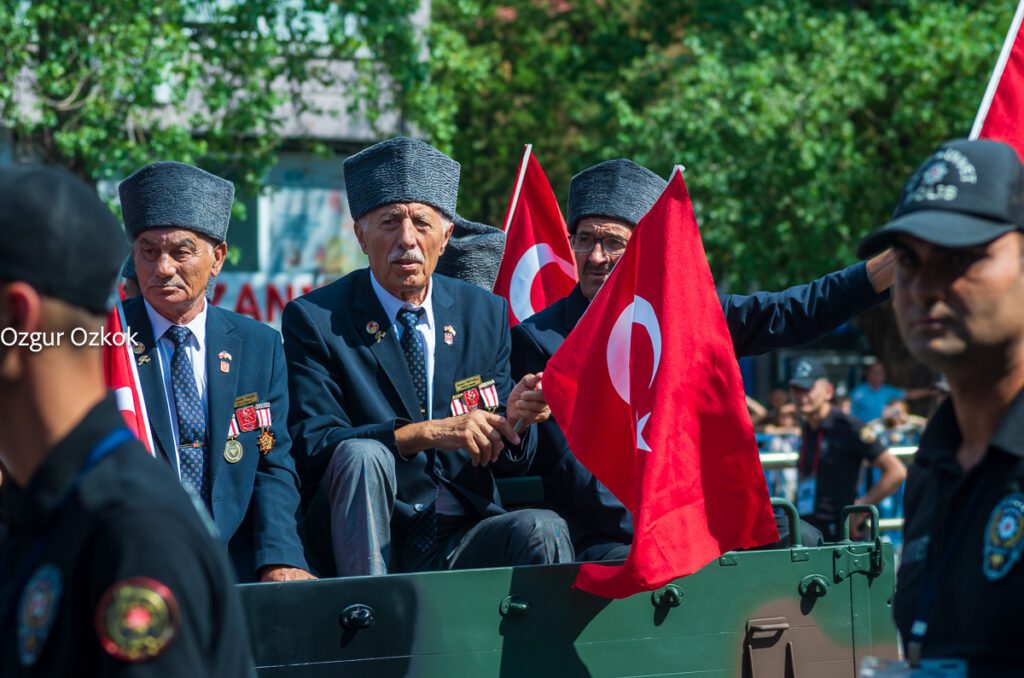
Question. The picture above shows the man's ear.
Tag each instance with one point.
(447, 235)
(357, 227)
(220, 253)
(21, 310)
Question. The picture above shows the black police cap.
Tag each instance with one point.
(806, 371)
(58, 236)
(967, 193)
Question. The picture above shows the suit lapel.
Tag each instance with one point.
(222, 388)
(151, 378)
(446, 356)
(388, 353)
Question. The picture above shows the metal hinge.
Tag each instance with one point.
(858, 559)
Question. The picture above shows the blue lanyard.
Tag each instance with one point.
(932, 580)
(103, 448)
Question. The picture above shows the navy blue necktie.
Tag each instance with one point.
(415, 356)
(191, 418)
(422, 533)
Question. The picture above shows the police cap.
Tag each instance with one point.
(58, 236)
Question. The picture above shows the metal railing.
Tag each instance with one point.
(777, 461)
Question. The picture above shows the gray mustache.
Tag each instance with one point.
(405, 255)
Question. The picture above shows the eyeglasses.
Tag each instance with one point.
(613, 246)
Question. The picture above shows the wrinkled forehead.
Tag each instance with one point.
(402, 210)
(171, 236)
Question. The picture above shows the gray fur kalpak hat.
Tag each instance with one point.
(401, 170)
(473, 253)
(619, 189)
(173, 194)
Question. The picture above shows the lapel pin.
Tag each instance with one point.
(225, 366)
(139, 349)
(372, 327)
(224, 355)
(143, 360)
(449, 335)
(379, 336)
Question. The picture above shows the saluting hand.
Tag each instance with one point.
(526, 401)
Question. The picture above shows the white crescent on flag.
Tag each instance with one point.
(642, 313)
(526, 270)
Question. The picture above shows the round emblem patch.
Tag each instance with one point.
(137, 619)
(37, 611)
(1004, 538)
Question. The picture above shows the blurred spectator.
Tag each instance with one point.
(897, 427)
(758, 414)
(844, 404)
(870, 398)
(833, 450)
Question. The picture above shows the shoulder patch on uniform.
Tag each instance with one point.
(1003, 537)
(39, 602)
(867, 435)
(136, 619)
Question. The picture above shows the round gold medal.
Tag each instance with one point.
(233, 451)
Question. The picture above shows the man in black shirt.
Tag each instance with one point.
(958, 303)
(107, 568)
(833, 450)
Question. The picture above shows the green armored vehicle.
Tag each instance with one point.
(794, 612)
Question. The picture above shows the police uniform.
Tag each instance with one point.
(107, 567)
(831, 459)
(108, 570)
(964, 532)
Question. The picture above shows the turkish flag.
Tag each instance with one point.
(1001, 115)
(649, 395)
(122, 377)
(537, 268)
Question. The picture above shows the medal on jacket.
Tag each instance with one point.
(232, 448)
(266, 441)
(233, 451)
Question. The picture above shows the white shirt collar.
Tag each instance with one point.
(392, 304)
(160, 324)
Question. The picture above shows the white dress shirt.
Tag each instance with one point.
(196, 351)
(392, 305)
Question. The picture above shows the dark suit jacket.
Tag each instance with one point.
(758, 322)
(255, 501)
(345, 384)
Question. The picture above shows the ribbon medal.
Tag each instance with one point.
(37, 611)
(1003, 537)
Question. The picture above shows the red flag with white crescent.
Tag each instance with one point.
(649, 395)
(1001, 114)
(122, 377)
(537, 268)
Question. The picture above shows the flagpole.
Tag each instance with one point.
(136, 383)
(519, 185)
(997, 73)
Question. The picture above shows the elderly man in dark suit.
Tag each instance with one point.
(214, 382)
(398, 380)
(605, 202)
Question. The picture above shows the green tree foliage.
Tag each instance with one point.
(105, 87)
(798, 121)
